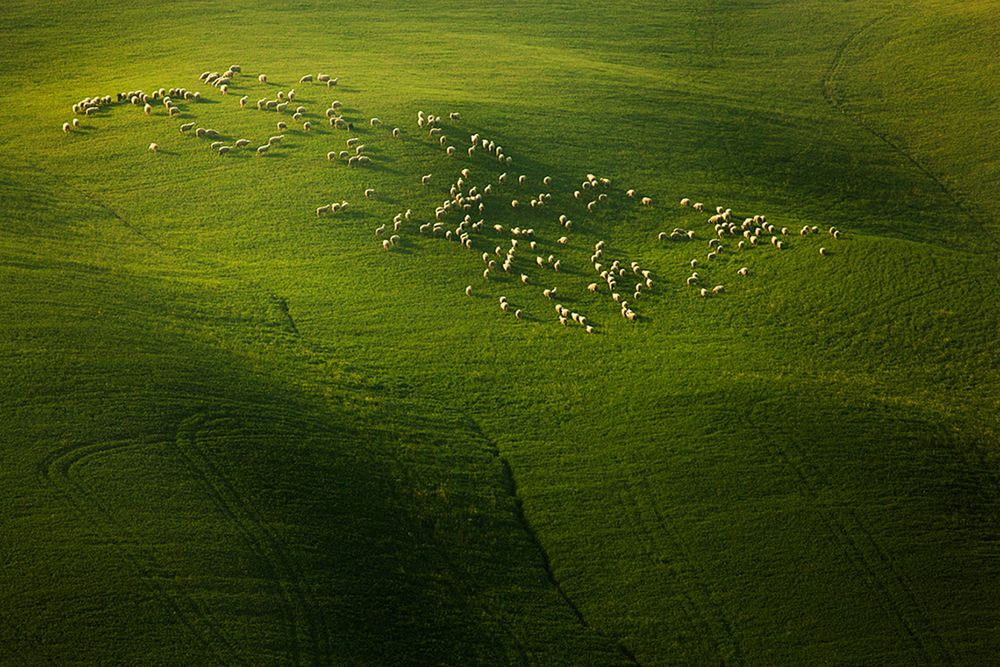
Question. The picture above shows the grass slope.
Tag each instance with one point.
(237, 433)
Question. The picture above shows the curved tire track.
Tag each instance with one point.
(871, 561)
(55, 471)
(703, 609)
(298, 609)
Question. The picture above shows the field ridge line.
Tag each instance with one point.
(510, 482)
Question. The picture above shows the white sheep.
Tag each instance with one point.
(718, 289)
(822, 252)
(646, 201)
(468, 290)
(395, 132)
(743, 271)
(66, 127)
(307, 78)
(450, 151)
(386, 245)
(263, 149)
(369, 193)
(307, 126)
(425, 179)
(153, 148)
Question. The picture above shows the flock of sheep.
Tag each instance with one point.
(470, 197)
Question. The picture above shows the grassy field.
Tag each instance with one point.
(234, 432)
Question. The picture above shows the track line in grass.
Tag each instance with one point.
(703, 609)
(829, 89)
(55, 471)
(871, 561)
(298, 608)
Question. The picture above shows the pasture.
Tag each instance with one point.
(235, 428)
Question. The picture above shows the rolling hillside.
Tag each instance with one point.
(236, 431)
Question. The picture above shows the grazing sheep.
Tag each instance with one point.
(698, 206)
(66, 127)
(450, 151)
(468, 290)
(332, 155)
(425, 179)
(307, 126)
(282, 125)
(685, 202)
(224, 150)
(395, 132)
(524, 278)
(386, 245)
(306, 79)
(703, 292)
(555, 265)
(646, 201)
(743, 271)
(514, 203)
(332, 82)
(263, 149)
(517, 314)
(822, 252)
(148, 110)
(547, 181)
(718, 289)
(369, 193)
(592, 287)
(630, 193)
(153, 148)
(326, 208)
(394, 239)
(243, 101)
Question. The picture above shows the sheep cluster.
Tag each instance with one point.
(330, 209)
(566, 316)
(511, 253)
(749, 233)
(221, 81)
(613, 272)
(90, 106)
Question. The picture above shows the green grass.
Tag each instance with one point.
(233, 432)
